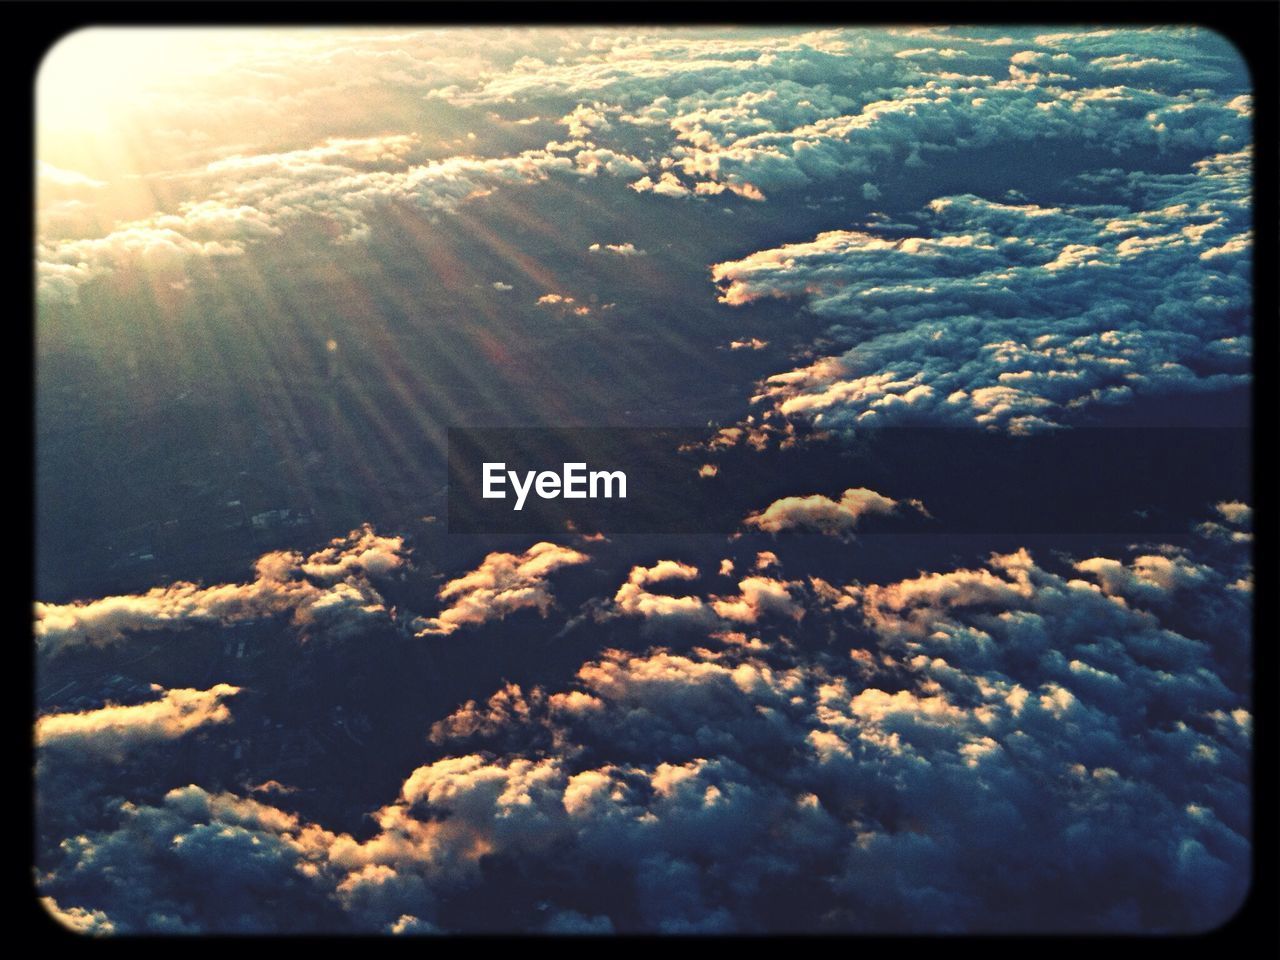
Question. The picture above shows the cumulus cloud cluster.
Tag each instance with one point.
(819, 514)
(1234, 525)
(757, 597)
(755, 115)
(1005, 314)
(259, 196)
(1016, 316)
(329, 590)
(677, 114)
(501, 585)
(1018, 745)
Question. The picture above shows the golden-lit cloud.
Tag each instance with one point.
(503, 584)
(819, 514)
(325, 590)
(114, 728)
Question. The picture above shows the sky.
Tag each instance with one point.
(959, 319)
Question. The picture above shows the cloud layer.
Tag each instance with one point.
(1015, 316)
(1065, 731)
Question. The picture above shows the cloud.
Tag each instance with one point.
(58, 177)
(634, 598)
(64, 266)
(254, 197)
(1235, 512)
(113, 729)
(821, 514)
(503, 584)
(1151, 575)
(591, 160)
(661, 571)
(79, 920)
(1015, 316)
(758, 596)
(1238, 515)
(586, 118)
(932, 112)
(567, 304)
(328, 590)
(765, 114)
(667, 185)
(246, 858)
(618, 249)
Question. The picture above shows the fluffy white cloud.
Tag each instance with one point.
(757, 597)
(114, 728)
(79, 920)
(1235, 512)
(618, 249)
(761, 114)
(501, 585)
(1238, 517)
(1015, 316)
(820, 514)
(328, 590)
(634, 598)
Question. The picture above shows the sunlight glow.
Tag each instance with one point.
(89, 77)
